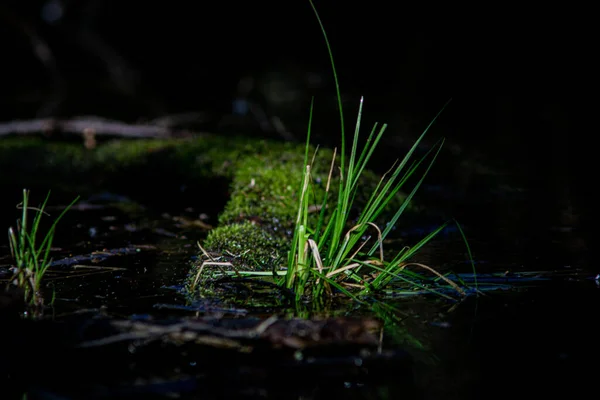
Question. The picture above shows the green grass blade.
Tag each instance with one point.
(308, 131)
(23, 225)
(428, 127)
(12, 241)
(464, 237)
(336, 285)
(354, 145)
(337, 87)
(394, 219)
(50, 236)
(390, 274)
(368, 152)
(341, 215)
(36, 220)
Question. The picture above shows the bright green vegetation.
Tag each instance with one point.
(331, 244)
(328, 253)
(32, 258)
(314, 220)
(257, 224)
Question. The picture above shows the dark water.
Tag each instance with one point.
(514, 173)
(532, 337)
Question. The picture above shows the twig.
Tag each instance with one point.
(87, 125)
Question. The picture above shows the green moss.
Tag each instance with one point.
(257, 222)
(265, 187)
(247, 244)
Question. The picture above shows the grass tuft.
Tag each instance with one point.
(32, 258)
(333, 250)
(334, 253)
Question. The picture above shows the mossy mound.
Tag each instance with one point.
(256, 227)
(256, 224)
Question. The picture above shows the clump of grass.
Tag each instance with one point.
(330, 254)
(32, 258)
(335, 252)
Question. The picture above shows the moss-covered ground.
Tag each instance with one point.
(256, 223)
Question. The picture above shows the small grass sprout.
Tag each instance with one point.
(32, 257)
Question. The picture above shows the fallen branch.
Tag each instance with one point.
(235, 334)
(87, 126)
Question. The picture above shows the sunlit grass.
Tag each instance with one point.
(32, 258)
(334, 253)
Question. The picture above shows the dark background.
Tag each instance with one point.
(521, 78)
